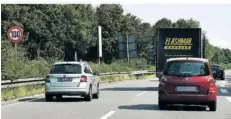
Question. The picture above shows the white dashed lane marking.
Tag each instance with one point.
(224, 90)
(107, 115)
(141, 93)
(229, 99)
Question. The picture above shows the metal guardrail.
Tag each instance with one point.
(40, 81)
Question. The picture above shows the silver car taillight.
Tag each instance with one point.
(83, 78)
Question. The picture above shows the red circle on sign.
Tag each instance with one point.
(20, 31)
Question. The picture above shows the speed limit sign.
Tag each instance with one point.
(15, 34)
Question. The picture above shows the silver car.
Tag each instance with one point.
(71, 78)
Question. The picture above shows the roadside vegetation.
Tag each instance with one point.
(55, 32)
(226, 66)
(19, 92)
(30, 90)
(25, 68)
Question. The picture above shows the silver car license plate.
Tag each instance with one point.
(64, 79)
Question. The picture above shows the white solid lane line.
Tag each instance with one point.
(141, 93)
(224, 90)
(107, 115)
(19, 103)
(229, 99)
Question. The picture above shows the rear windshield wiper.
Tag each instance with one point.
(198, 75)
(69, 72)
(176, 75)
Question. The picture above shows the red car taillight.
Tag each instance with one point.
(163, 80)
(162, 84)
(83, 79)
(212, 86)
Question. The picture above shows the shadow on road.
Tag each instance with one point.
(154, 80)
(186, 108)
(155, 107)
(140, 107)
(131, 89)
(25, 99)
(64, 99)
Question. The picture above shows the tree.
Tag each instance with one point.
(182, 23)
(109, 18)
(55, 32)
(144, 39)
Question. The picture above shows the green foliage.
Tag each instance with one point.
(108, 79)
(218, 55)
(55, 32)
(24, 69)
(182, 23)
(22, 91)
(226, 66)
(122, 66)
(15, 65)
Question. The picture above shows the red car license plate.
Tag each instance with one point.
(186, 88)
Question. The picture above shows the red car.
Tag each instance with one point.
(187, 81)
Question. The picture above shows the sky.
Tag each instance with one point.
(214, 19)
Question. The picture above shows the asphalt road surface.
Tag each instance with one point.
(122, 100)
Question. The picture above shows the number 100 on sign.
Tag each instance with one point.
(15, 34)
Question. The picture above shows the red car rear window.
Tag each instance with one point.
(186, 68)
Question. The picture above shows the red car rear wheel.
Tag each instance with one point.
(162, 104)
(213, 106)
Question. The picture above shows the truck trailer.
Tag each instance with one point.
(178, 42)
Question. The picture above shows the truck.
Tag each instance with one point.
(178, 42)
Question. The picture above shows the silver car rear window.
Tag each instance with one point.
(66, 69)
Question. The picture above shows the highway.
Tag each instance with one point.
(134, 99)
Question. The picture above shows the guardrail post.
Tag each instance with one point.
(137, 76)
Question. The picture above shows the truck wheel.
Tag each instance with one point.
(48, 97)
(88, 97)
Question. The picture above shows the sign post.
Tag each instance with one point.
(76, 58)
(127, 45)
(15, 35)
(100, 42)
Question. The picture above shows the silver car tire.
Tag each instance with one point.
(96, 96)
(88, 97)
(48, 98)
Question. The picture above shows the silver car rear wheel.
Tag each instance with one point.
(89, 96)
(97, 93)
